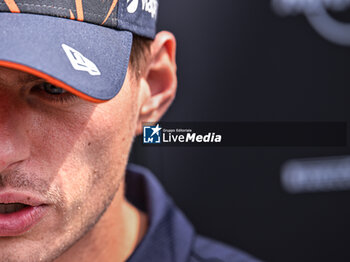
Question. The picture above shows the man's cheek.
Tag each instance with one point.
(88, 166)
(53, 141)
(73, 179)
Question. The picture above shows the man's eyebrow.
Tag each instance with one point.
(22, 78)
(28, 78)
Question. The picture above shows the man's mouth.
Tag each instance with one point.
(11, 208)
(19, 213)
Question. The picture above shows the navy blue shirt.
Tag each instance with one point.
(170, 236)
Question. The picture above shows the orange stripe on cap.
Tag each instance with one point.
(11, 4)
(80, 12)
(71, 15)
(110, 11)
(49, 79)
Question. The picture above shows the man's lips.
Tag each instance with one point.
(20, 221)
(15, 197)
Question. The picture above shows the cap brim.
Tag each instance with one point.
(87, 60)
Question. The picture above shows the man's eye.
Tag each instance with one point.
(52, 90)
(52, 93)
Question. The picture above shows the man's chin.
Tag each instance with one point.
(39, 243)
(18, 249)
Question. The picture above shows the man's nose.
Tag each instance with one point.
(13, 139)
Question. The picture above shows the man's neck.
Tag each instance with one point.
(113, 238)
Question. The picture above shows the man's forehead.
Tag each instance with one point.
(13, 77)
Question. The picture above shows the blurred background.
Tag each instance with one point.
(260, 60)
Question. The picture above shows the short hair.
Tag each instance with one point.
(139, 54)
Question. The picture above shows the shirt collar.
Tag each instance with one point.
(169, 235)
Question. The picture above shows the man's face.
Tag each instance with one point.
(67, 154)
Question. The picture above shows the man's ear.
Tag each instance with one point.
(158, 83)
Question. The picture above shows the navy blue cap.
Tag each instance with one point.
(82, 46)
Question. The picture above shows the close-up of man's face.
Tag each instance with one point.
(65, 156)
(63, 159)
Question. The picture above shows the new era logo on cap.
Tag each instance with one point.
(80, 62)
